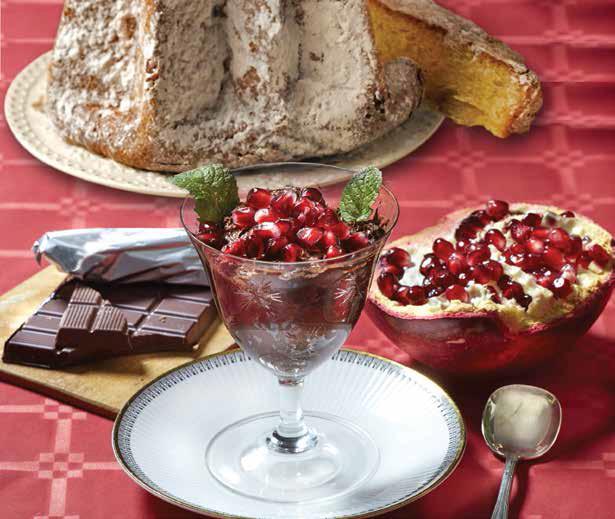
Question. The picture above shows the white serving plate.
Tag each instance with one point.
(160, 436)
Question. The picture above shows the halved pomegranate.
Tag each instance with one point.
(506, 287)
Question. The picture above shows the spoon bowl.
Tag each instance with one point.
(519, 423)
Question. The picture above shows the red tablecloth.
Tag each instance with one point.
(56, 461)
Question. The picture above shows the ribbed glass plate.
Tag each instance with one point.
(161, 434)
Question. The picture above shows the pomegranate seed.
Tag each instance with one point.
(535, 245)
(560, 239)
(286, 226)
(208, 227)
(387, 283)
(313, 194)
(284, 202)
(442, 278)
(504, 281)
(306, 207)
(462, 246)
(319, 209)
(341, 230)
(545, 278)
(416, 295)
(294, 227)
(561, 287)
(307, 218)
(333, 251)
(531, 262)
(429, 262)
(243, 217)
(212, 237)
(356, 241)
(398, 257)
(387, 267)
(457, 263)
(497, 209)
(401, 296)
(584, 260)
(496, 238)
(236, 248)
(327, 218)
(258, 198)
(543, 281)
(575, 249)
(274, 246)
(494, 294)
(309, 236)
(292, 252)
(598, 254)
(567, 214)
(254, 247)
(468, 228)
(433, 291)
(266, 230)
(302, 205)
(482, 216)
(516, 248)
(532, 220)
(513, 290)
(524, 300)
(210, 233)
(569, 272)
(463, 279)
(410, 296)
(478, 253)
(457, 292)
(553, 258)
(519, 231)
(494, 269)
(328, 240)
(265, 215)
(480, 274)
(442, 248)
(540, 233)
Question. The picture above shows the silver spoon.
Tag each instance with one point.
(519, 423)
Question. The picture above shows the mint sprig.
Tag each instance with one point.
(214, 189)
(359, 195)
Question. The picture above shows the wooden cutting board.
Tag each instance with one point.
(103, 386)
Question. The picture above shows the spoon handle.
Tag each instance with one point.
(501, 505)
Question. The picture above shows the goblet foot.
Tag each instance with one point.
(341, 457)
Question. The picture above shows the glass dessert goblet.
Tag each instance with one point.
(291, 318)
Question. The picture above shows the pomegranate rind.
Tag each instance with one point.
(466, 340)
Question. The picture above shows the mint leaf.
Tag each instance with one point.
(359, 195)
(214, 189)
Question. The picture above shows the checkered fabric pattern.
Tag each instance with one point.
(56, 461)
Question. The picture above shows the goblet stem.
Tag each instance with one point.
(291, 435)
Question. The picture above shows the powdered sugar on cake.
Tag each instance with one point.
(168, 84)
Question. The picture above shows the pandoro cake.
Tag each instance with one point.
(170, 84)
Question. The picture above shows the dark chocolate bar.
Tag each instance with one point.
(83, 322)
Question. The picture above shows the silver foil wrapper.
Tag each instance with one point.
(123, 255)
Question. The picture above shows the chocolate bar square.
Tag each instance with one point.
(83, 322)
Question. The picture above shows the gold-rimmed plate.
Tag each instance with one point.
(161, 434)
(32, 128)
